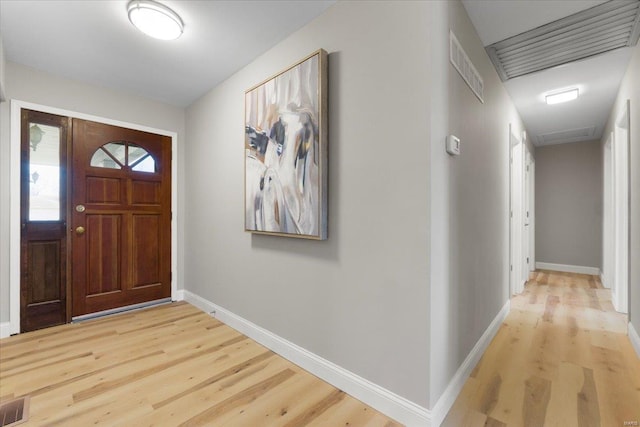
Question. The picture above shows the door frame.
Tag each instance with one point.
(607, 276)
(528, 217)
(621, 209)
(14, 216)
(517, 258)
(531, 163)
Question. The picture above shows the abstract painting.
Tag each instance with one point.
(286, 152)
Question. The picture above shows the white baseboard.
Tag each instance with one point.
(635, 339)
(5, 329)
(595, 271)
(444, 403)
(381, 399)
(604, 281)
(180, 295)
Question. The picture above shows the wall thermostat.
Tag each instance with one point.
(453, 145)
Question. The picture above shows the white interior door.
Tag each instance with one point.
(621, 141)
(608, 225)
(526, 215)
(516, 185)
(532, 213)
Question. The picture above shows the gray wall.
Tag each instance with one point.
(569, 204)
(469, 204)
(29, 85)
(3, 64)
(416, 265)
(4, 193)
(359, 299)
(365, 292)
(630, 89)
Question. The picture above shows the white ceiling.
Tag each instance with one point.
(598, 78)
(93, 41)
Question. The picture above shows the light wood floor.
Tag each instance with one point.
(166, 366)
(561, 358)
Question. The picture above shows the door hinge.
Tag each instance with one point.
(511, 268)
(527, 260)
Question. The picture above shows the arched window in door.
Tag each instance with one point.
(124, 155)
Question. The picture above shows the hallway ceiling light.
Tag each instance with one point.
(564, 96)
(155, 19)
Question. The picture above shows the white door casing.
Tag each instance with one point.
(14, 216)
(608, 224)
(532, 212)
(621, 143)
(516, 207)
(526, 214)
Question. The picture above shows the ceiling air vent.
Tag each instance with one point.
(608, 26)
(462, 63)
(565, 136)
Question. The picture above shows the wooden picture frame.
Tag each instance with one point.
(286, 152)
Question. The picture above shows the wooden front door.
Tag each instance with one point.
(121, 217)
(43, 218)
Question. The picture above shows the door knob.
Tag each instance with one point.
(80, 230)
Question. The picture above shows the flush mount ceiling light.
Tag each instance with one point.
(155, 19)
(564, 96)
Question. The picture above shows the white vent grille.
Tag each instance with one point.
(608, 26)
(463, 64)
(566, 136)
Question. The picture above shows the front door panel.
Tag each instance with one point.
(121, 240)
(43, 216)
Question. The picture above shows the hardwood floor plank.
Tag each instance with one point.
(165, 366)
(562, 358)
(550, 308)
(40, 363)
(245, 397)
(234, 370)
(350, 412)
(494, 423)
(195, 372)
(317, 409)
(563, 403)
(588, 405)
(142, 373)
(537, 394)
(276, 409)
(630, 358)
(614, 388)
(37, 351)
(490, 395)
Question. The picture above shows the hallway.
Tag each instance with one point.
(561, 358)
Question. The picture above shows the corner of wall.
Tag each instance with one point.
(3, 64)
(5, 329)
(438, 204)
(458, 333)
